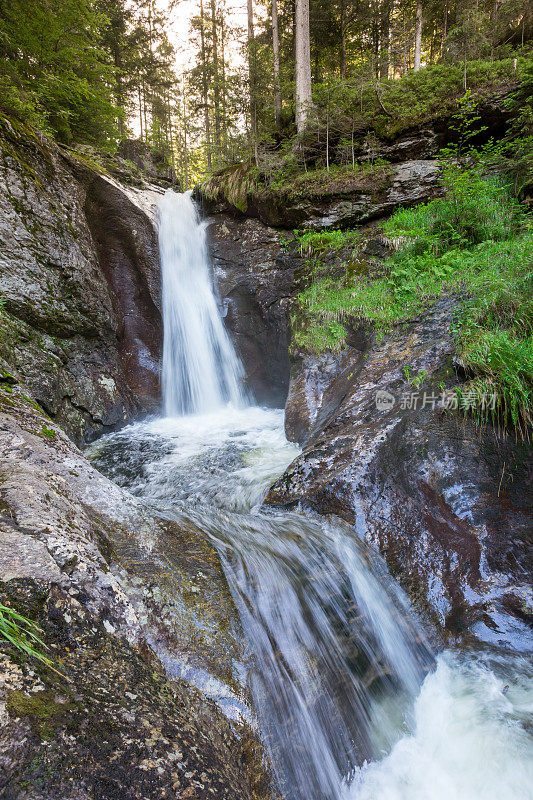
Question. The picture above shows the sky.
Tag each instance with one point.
(179, 31)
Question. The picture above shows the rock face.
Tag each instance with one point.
(125, 599)
(336, 202)
(87, 562)
(447, 504)
(78, 264)
(254, 274)
(348, 202)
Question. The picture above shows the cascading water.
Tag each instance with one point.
(201, 370)
(340, 682)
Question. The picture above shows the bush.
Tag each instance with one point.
(476, 242)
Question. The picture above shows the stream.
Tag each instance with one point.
(350, 698)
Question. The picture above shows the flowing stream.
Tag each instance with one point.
(349, 698)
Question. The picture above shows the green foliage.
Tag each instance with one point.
(22, 633)
(477, 243)
(54, 73)
(474, 209)
(317, 241)
(518, 146)
(232, 184)
(433, 91)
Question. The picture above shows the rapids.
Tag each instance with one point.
(350, 699)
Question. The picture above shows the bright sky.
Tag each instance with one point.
(179, 32)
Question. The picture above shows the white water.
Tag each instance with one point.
(313, 600)
(201, 370)
(349, 700)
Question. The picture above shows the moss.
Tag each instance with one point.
(232, 184)
(44, 710)
(48, 433)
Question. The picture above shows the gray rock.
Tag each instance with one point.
(447, 504)
(111, 585)
(79, 279)
(254, 274)
(342, 201)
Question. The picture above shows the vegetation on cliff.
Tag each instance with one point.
(98, 71)
(475, 242)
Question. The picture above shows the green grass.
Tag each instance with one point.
(22, 633)
(475, 243)
(319, 241)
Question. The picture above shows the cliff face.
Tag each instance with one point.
(117, 590)
(254, 276)
(78, 277)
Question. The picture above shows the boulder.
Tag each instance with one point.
(446, 503)
(118, 592)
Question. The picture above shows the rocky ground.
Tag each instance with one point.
(254, 274)
(124, 598)
(102, 577)
(446, 503)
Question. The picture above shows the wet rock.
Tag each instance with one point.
(113, 726)
(447, 504)
(344, 201)
(254, 273)
(78, 269)
(126, 600)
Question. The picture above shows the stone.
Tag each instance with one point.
(254, 272)
(445, 503)
(77, 554)
(80, 281)
(341, 201)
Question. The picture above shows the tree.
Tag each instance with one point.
(303, 64)
(55, 70)
(275, 49)
(418, 35)
(252, 72)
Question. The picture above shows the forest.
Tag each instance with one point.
(304, 73)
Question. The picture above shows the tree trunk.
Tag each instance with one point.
(418, 35)
(144, 113)
(275, 48)
(170, 142)
(343, 39)
(251, 76)
(223, 82)
(205, 95)
(216, 77)
(303, 65)
(140, 109)
(384, 37)
(185, 150)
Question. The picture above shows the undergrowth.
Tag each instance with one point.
(22, 633)
(475, 243)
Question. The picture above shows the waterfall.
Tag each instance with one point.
(346, 697)
(201, 371)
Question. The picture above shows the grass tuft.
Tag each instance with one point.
(477, 243)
